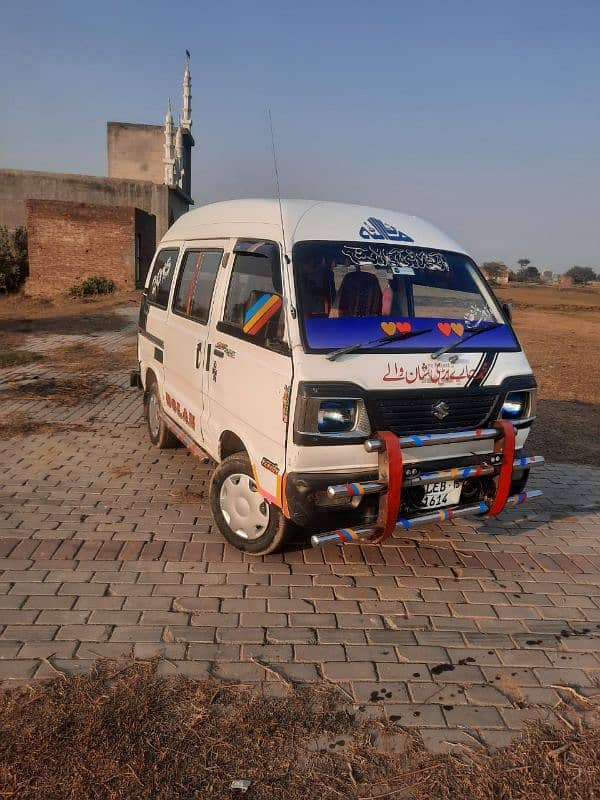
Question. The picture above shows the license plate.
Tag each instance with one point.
(442, 493)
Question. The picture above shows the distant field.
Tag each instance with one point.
(550, 296)
(560, 331)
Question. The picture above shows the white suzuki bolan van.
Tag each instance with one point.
(348, 368)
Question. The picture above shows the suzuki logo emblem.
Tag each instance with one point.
(440, 410)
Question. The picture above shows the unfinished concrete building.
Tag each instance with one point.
(69, 216)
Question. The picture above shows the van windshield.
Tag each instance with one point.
(349, 292)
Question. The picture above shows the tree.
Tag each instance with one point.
(511, 276)
(528, 274)
(493, 270)
(524, 262)
(14, 263)
(581, 275)
(20, 252)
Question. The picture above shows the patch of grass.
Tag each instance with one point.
(66, 391)
(186, 496)
(66, 324)
(15, 358)
(121, 472)
(130, 734)
(86, 357)
(21, 424)
(94, 285)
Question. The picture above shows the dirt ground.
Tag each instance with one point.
(130, 733)
(21, 315)
(560, 331)
(23, 307)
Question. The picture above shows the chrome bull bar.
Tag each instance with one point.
(347, 535)
(428, 439)
(394, 477)
(457, 473)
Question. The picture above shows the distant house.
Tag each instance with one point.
(498, 275)
(547, 276)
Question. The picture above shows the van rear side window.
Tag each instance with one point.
(195, 284)
(159, 286)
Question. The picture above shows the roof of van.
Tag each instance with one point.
(307, 220)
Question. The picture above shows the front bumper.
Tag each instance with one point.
(391, 498)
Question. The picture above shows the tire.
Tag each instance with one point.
(243, 516)
(160, 436)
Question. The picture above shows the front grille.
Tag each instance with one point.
(404, 415)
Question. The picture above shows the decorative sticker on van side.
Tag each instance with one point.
(161, 276)
(395, 257)
(374, 228)
(285, 404)
(226, 349)
(260, 313)
(270, 465)
(181, 412)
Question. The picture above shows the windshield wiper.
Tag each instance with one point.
(463, 339)
(375, 343)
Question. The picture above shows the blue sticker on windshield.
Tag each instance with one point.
(323, 333)
(374, 228)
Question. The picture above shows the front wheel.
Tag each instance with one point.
(243, 516)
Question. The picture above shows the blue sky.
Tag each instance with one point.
(481, 116)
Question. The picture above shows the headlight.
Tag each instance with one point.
(344, 418)
(336, 416)
(518, 405)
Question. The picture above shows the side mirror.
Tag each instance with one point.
(261, 308)
(507, 308)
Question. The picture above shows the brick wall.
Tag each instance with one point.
(18, 186)
(71, 241)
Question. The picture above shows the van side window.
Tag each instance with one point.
(195, 284)
(161, 278)
(253, 309)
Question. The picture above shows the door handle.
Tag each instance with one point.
(198, 351)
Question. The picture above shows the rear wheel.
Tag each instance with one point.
(160, 435)
(243, 516)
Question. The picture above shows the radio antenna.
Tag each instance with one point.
(277, 184)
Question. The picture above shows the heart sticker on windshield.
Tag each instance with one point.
(403, 327)
(445, 328)
(389, 328)
(458, 328)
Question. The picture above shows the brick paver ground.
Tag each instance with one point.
(107, 549)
